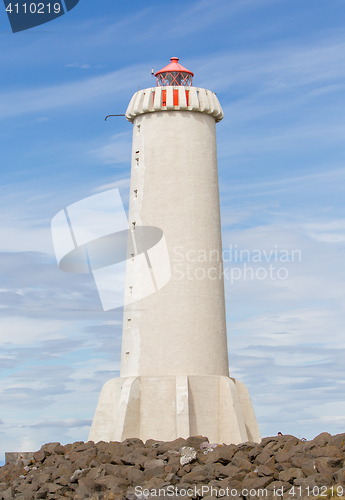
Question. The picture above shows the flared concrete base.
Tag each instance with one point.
(165, 408)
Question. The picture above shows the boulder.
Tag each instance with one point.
(289, 475)
(263, 457)
(339, 476)
(325, 451)
(263, 470)
(222, 454)
(283, 456)
(298, 460)
(242, 463)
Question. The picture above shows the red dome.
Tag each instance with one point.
(174, 74)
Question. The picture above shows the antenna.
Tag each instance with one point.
(112, 115)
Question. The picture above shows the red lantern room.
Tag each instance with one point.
(174, 74)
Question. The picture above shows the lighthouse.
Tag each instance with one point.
(174, 378)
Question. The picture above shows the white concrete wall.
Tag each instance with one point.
(168, 407)
(174, 345)
(180, 329)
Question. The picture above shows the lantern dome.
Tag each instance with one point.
(174, 74)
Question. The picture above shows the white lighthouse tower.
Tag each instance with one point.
(174, 379)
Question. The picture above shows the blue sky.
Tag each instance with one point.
(278, 69)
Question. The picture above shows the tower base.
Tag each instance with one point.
(165, 408)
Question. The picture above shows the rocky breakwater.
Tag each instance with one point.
(279, 467)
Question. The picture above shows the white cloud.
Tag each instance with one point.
(38, 100)
(279, 70)
(117, 151)
(328, 232)
(69, 423)
(78, 65)
(20, 331)
(122, 183)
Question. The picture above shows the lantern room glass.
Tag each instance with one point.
(171, 78)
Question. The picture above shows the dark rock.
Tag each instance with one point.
(155, 471)
(195, 441)
(195, 477)
(318, 480)
(95, 462)
(78, 447)
(270, 463)
(105, 457)
(86, 487)
(39, 456)
(230, 483)
(136, 477)
(76, 444)
(41, 478)
(116, 485)
(49, 448)
(133, 442)
(283, 456)
(325, 451)
(263, 470)
(339, 476)
(221, 454)
(85, 457)
(242, 463)
(282, 466)
(42, 492)
(290, 474)
(246, 447)
(64, 469)
(134, 458)
(263, 457)
(279, 486)
(60, 450)
(256, 483)
(328, 463)
(174, 461)
(27, 489)
(270, 439)
(297, 460)
(6, 472)
(153, 443)
(289, 442)
(254, 453)
(148, 464)
(309, 467)
(53, 460)
(155, 483)
(306, 484)
(231, 471)
(272, 446)
(321, 440)
(175, 445)
(338, 440)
